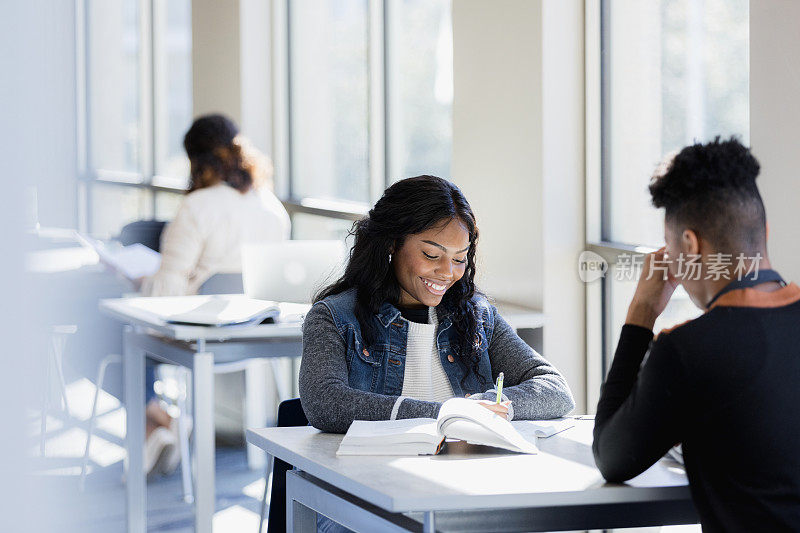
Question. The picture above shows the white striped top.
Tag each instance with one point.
(424, 377)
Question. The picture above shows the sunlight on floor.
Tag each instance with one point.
(66, 437)
(255, 489)
(235, 518)
(80, 394)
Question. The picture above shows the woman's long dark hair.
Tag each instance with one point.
(408, 207)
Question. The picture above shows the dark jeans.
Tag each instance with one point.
(149, 381)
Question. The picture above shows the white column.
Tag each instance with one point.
(563, 176)
(497, 140)
(774, 116)
(518, 150)
(231, 64)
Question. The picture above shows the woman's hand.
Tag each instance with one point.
(653, 292)
(500, 409)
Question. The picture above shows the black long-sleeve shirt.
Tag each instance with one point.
(727, 386)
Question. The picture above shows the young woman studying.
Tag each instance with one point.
(405, 329)
(229, 203)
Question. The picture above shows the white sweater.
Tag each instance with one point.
(207, 234)
(424, 377)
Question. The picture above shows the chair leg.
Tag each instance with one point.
(101, 374)
(58, 349)
(45, 403)
(267, 473)
(277, 372)
(183, 437)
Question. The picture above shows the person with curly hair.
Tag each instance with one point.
(725, 385)
(229, 202)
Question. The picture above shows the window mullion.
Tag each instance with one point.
(377, 99)
(281, 103)
(146, 137)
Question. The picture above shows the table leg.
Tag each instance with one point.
(183, 436)
(258, 402)
(135, 488)
(203, 382)
(429, 526)
(299, 518)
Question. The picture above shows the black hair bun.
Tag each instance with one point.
(208, 133)
(700, 169)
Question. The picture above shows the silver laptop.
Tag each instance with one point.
(291, 271)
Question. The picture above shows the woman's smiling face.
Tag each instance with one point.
(429, 263)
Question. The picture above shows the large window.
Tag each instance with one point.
(675, 72)
(363, 97)
(114, 85)
(329, 113)
(420, 80)
(138, 102)
(672, 72)
(370, 90)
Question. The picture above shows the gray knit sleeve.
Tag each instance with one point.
(534, 386)
(330, 404)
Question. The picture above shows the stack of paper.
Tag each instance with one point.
(412, 436)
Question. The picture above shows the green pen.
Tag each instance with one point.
(499, 388)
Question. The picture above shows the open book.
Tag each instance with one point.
(208, 310)
(459, 419)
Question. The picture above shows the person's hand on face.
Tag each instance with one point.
(429, 263)
(653, 291)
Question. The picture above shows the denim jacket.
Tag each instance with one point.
(380, 366)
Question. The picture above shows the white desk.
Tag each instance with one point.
(198, 349)
(558, 489)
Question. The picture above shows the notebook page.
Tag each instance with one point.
(459, 413)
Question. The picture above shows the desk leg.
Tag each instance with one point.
(133, 364)
(203, 382)
(299, 518)
(428, 525)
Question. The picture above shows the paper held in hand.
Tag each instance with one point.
(459, 418)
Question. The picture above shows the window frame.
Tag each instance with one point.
(282, 118)
(600, 341)
(150, 78)
(379, 55)
(600, 333)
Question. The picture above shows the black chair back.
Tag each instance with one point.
(147, 232)
(290, 414)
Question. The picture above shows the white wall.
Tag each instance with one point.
(216, 78)
(563, 199)
(774, 120)
(231, 64)
(497, 140)
(518, 156)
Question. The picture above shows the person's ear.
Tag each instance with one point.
(766, 224)
(690, 242)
